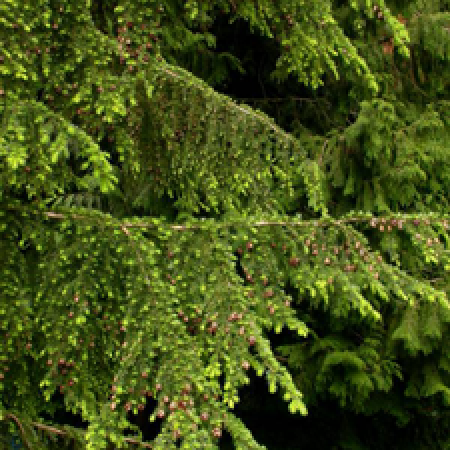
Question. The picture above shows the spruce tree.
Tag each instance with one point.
(156, 233)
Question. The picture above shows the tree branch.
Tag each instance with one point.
(263, 223)
(59, 432)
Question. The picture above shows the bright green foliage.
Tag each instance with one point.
(133, 195)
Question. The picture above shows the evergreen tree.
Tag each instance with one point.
(157, 233)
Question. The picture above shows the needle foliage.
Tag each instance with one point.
(166, 239)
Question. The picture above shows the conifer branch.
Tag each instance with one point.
(263, 223)
(54, 430)
(249, 112)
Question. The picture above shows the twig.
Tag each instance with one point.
(322, 152)
(22, 431)
(59, 432)
(282, 99)
(49, 429)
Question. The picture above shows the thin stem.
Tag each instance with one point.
(22, 431)
(59, 432)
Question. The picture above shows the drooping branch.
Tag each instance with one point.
(248, 111)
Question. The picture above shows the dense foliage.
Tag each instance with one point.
(196, 194)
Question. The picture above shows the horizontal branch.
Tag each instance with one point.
(373, 221)
(53, 430)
